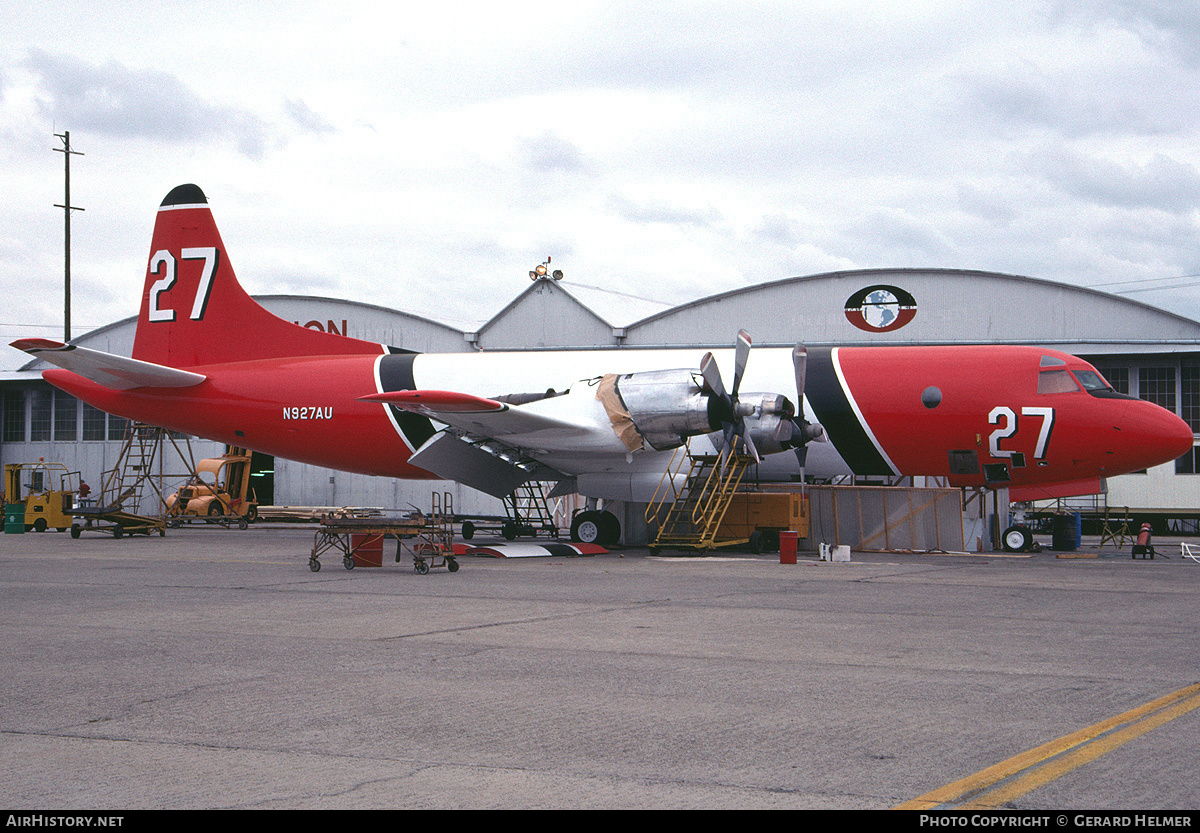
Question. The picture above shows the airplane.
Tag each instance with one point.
(209, 361)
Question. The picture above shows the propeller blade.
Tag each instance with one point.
(750, 449)
(741, 356)
(799, 364)
(712, 375)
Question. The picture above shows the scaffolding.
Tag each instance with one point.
(120, 507)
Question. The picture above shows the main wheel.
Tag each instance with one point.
(587, 528)
(610, 529)
(468, 530)
(1017, 539)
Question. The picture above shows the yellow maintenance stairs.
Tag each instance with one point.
(689, 512)
(709, 506)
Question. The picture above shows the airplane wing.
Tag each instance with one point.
(525, 426)
(114, 372)
(495, 446)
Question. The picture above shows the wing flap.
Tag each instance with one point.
(113, 372)
(485, 417)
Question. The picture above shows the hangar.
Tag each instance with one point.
(1142, 350)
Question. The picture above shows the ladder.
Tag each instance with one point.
(690, 515)
(123, 487)
(530, 510)
(124, 484)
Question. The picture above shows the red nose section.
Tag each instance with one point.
(1150, 436)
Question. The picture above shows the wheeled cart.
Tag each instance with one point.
(431, 537)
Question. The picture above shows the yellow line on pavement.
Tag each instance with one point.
(1151, 714)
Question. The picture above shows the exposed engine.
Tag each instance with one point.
(668, 406)
(660, 409)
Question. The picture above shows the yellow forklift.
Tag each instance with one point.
(218, 492)
(30, 500)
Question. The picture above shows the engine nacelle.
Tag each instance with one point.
(768, 421)
(661, 409)
(667, 406)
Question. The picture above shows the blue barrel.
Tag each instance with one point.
(1067, 531)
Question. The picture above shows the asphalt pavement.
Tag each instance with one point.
(211, 668)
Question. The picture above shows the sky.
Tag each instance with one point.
(425, 157)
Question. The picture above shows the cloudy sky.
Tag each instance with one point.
(426, 156)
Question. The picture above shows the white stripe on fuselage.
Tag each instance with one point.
(858, 414)
(769, 370)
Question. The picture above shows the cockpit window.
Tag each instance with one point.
(1091, 380)
(1056, 381)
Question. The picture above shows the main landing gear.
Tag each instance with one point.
(593, 526)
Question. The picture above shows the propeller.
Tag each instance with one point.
(725, 407)
(798, 432)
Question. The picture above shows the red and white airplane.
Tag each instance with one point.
(209, 361)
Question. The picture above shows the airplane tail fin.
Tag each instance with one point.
(194, 312)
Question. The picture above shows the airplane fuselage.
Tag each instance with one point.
(973, 415)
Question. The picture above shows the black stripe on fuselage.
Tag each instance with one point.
(396, 373)
(833, 411)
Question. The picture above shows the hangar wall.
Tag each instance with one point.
(1143, 350)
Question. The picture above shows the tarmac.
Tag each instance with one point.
(211, 668)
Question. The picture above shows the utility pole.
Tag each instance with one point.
(67, 208)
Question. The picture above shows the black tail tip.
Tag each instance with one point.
(185, 195)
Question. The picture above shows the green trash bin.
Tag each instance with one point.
(14, 517)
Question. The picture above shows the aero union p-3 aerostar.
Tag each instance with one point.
(209, 361)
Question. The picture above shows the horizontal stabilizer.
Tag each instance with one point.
(113, 372)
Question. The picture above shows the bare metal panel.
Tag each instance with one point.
(876, 518)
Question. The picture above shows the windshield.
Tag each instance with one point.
(1091, 380)
(1056, 381)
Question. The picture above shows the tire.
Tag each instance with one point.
(610, 529)
(510, 530)
(1017, 539)
(468, 530)
(75, 530)
(39, 525)
(587, 528)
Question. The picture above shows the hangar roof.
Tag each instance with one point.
(947, 306)
(868, 306)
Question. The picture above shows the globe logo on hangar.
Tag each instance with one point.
(880, 308)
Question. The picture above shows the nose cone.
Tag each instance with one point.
(1151, 435)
